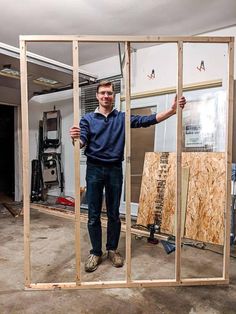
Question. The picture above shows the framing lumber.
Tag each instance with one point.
(115, 39)
(127, 164)
(76, 107)
(229, 140)
(178, 281)
(65, 214)
(132, 284)
(179, 164)
(11, 210)
(25, 161)
(172, 90)
(50, 210)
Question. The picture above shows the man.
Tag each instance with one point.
(103, 134)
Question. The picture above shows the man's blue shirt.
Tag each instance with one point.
(104, 137)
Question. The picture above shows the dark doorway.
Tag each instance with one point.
(7, 169)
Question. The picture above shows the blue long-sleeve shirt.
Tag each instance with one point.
(104, 137)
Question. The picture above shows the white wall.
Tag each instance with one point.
(163, 59)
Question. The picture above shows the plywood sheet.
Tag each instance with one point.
(206, 198)
(148, 193)
(204, 219)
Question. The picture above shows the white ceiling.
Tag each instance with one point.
(108, 17)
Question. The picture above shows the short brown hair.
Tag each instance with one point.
(105, 83)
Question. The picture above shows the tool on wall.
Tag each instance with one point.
(201, 67)
(36, 181)
(52, 129)
(152, 75)
(37, 189)
(47, 169)
(51, 170)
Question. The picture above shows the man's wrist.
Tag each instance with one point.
(81, 143)
(171, 112)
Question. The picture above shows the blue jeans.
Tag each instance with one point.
(98, 177)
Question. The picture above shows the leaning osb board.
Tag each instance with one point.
(148, 193)
(205, 200)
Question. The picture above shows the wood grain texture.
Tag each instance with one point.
(204, 219)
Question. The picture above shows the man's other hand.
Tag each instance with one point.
(182, 103)
(74, 132)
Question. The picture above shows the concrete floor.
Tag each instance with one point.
(53, 260)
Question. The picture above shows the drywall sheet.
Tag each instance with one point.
(203, 185)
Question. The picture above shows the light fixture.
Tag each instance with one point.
(8, 72)
(46, 81)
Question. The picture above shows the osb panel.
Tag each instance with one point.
(185, 184)
(206, 195)
(206, 198)
(148, 192)
(168, 212)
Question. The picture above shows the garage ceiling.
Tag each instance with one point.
(93, 17)
(108, 17)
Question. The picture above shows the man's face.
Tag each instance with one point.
(105, 96)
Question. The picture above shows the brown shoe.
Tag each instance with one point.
(92, 263)
(115, 257)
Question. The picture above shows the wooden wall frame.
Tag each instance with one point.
(128, 282)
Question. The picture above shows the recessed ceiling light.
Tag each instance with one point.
(46, 81)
